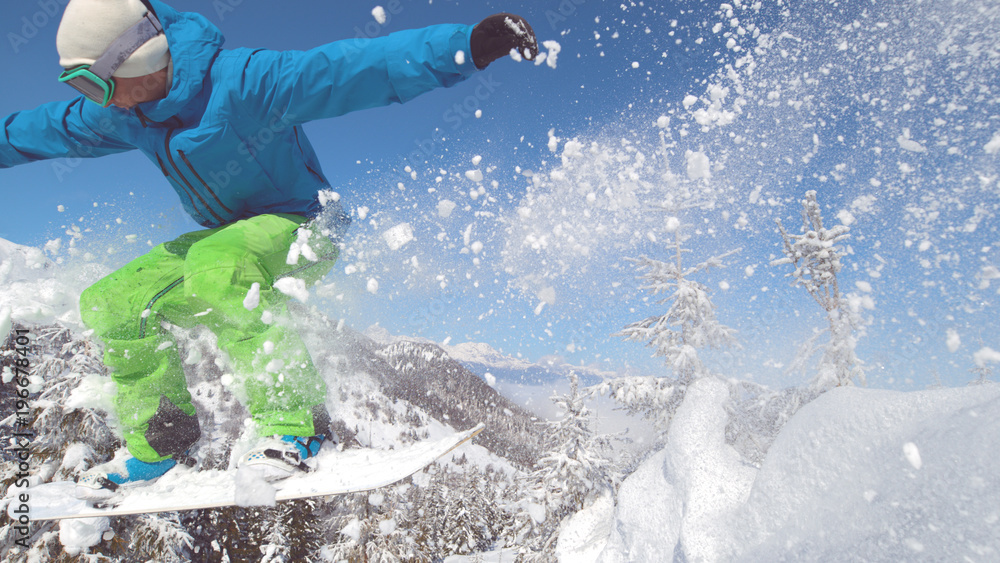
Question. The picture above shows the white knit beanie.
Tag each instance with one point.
(88, 27)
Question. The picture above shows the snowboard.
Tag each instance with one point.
(182, 488)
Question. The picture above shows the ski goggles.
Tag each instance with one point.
(94, 81)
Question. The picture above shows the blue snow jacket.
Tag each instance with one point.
(228, 136)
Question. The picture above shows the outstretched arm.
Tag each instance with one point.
(59, 129)
(355, 74)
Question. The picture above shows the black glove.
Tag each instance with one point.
(495, 36)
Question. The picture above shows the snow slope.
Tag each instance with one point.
(880, 476)
(856, 475)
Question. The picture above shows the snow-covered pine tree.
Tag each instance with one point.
(374, 527)
(295, 532)
(66, 435)
(346, 528)
(571, 472)
(428, 504)
(983, 374)
(688, 326)
(466, 531)
(689, 323)
(457, 512)
(815, 254)
(159, 537)
(982, 368)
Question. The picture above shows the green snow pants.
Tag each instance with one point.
(206, 278)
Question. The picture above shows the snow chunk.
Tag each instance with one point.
(76, 457)
(953, 340)
(548, 296)
(474, 175)
(326, 196)
(301, 248)
(293, 287)
(352, 530)
(912, 455)
(252, 300)
(993, 146)
(78, 535)
(460, 57)
(445, 207)
(372, 286)
(378, 12)
(846, 217)
(386, 527)
(986, 354)
(909, 144)
(252, 489)
(673, 223)
(536, 511)
(553, 48)
(863, 204)
(5, 322)
(698, 165)
(553, 141)
(398, 236)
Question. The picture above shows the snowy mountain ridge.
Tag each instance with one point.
(486, 361)
(484, 354)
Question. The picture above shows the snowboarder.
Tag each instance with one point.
(224, 128)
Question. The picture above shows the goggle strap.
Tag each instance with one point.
(125, 44)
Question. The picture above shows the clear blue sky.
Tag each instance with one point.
(621, 67)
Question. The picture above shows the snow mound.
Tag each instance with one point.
(868, 475)
(856, 475)
(698, 478)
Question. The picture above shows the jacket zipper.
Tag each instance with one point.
(142, 117)
(166, 173)
(203, 182)
(170, 159)
(303, 153)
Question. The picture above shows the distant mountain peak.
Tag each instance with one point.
(481, 353)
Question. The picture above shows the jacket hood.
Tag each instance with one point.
(194, 42)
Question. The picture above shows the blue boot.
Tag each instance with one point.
(103, 481)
